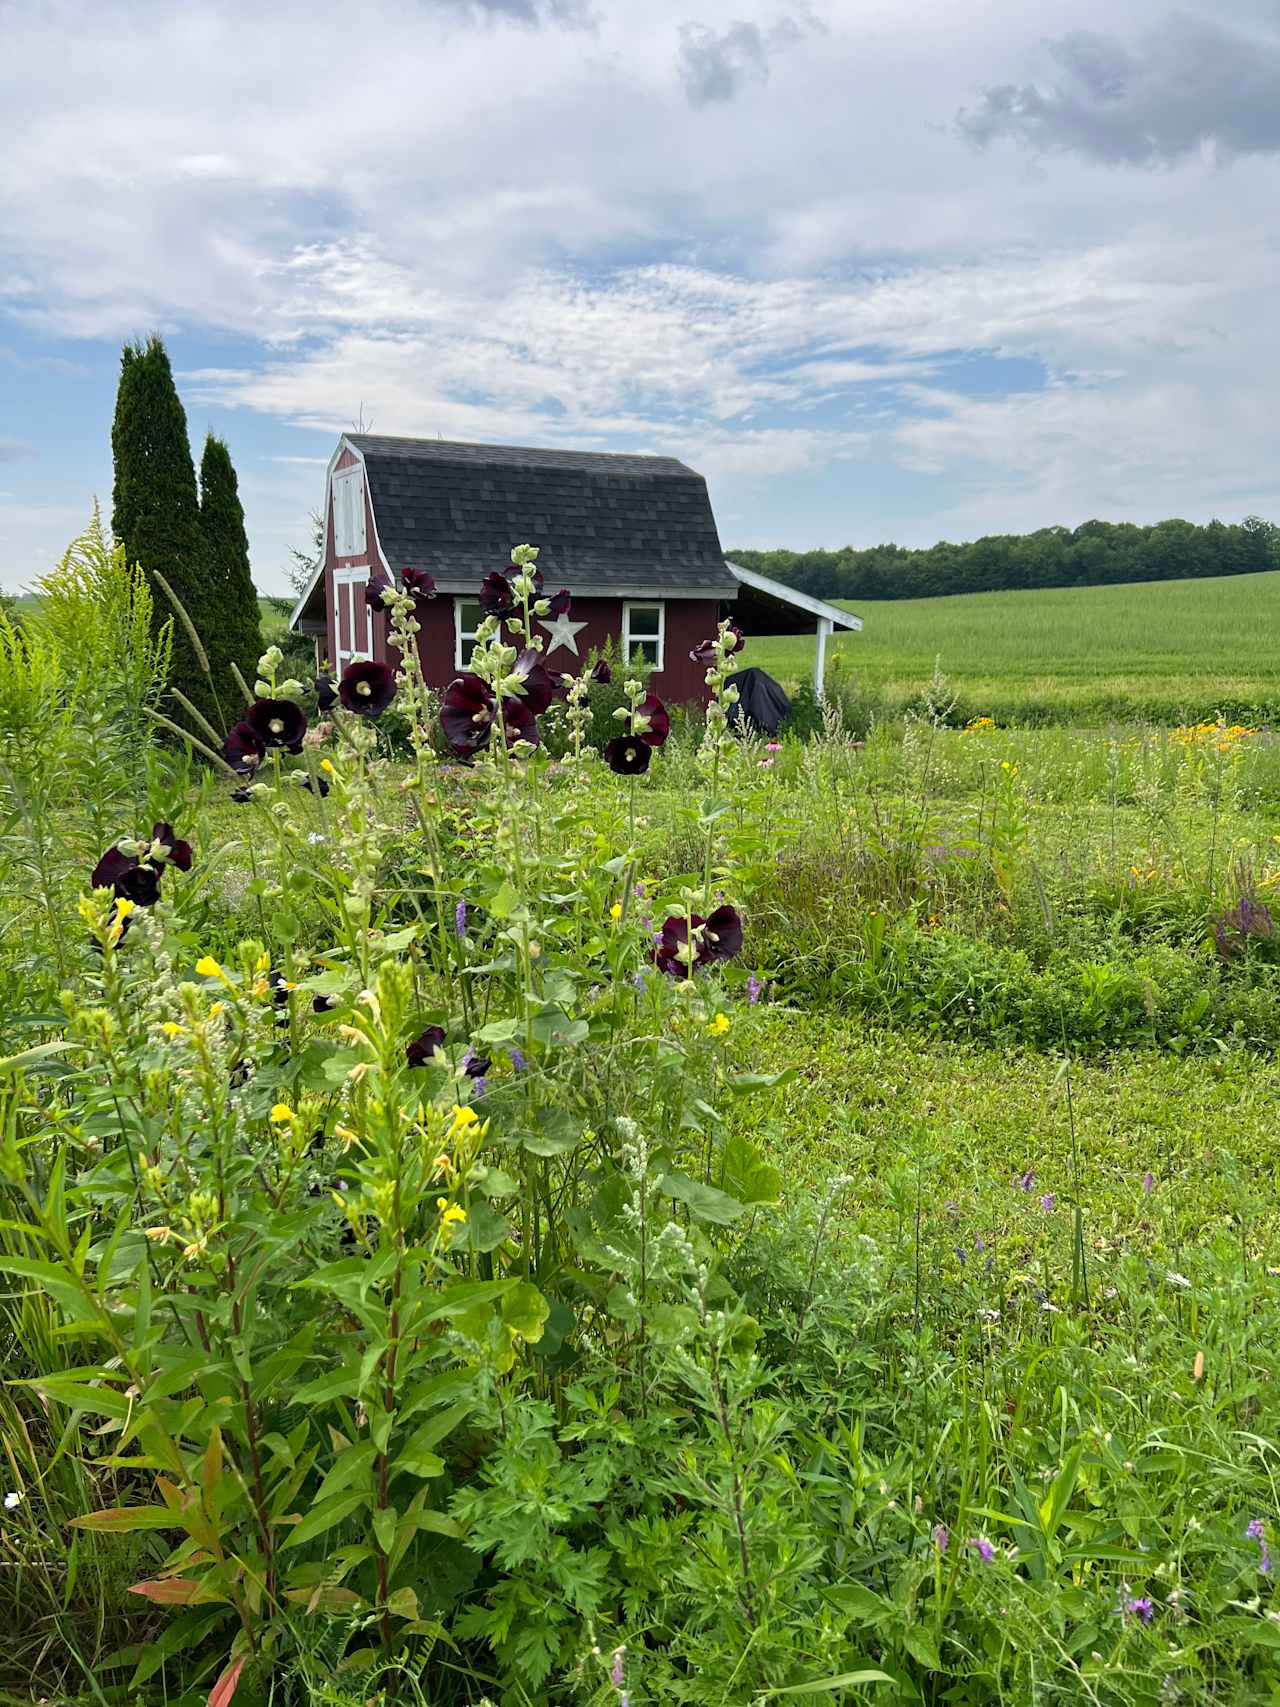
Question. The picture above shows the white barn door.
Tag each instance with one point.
(351, 616)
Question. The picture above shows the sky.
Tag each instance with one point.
(880, 269)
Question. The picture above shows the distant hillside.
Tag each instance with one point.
(1096, 554)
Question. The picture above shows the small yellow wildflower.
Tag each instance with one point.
(172, 1029)
(124, 907)
(217, 1008)
(282, 1112)
(462, 1118)
(327, 766)
(719, 1025)
(450, 1212)
(615, 912)
(441, 1165)
(263, 962)
(208, 967)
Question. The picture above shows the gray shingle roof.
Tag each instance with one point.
(600, 520)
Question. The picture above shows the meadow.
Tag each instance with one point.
(1164, 652)
(657, 1216)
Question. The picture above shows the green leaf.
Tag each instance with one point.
(746, 1174)
(403, 1603)
(846, 1680)
(922, 1645)
(505, 902)
(60, 1285)
(324, 1516)
(760, 1081)
(485, 1229)
(524, 1310)
(703, 1202)
(351, 1462)
(556, 1133)
(123, 1520)
(498, 1031)
(554, 1025)
(384, 1527)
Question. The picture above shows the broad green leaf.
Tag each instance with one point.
(524, 1310)
(403, 1603)
(498, 1031)
(760, 1081)
(703, 1202)
(746, 1175)
(177, 1591)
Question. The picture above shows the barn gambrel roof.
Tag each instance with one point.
(603, 522)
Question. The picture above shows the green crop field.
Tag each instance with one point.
(1168, 651)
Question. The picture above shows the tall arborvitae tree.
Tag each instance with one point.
(155, 512)
(237, 639)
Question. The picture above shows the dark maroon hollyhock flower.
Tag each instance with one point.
(519, 721)
(475, 1066)
(536, 686)
(128, 877)
(466, 713)
(706, 651)
(324, 1004)
(627, 755)
(326, 693)
(671, 952)
(721, 936)
(420, 1051)
(367, 687)
(418, 583)
(374, 588)
(277, 722)
(495, 596)
(175, 852)
(244, 748)
(242, 796)
(559, 604)
(317, 784)
(600, 672)
(650, 722)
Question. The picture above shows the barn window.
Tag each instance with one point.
(467, 617)
(643, 628)
(348, 513)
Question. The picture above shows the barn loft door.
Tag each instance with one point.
(352, 617)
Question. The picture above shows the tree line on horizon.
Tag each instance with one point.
(1095, 554)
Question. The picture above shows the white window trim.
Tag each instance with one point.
(644, 604)
(346, 581)
(348, 488)
(458, 635)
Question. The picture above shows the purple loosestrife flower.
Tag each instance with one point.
(460, 920)
(754, 988)
(983, 1548)
(1048, 1200)
(519, 1060)
(941, 1537)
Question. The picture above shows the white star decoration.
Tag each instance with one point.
(562, 632)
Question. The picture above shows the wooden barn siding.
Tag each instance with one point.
(688, 621)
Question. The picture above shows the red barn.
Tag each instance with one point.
(633, 538)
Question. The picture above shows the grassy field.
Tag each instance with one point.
(1170, 651)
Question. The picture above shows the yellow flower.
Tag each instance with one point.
(719, 1025)
(216, 1008)
(441, 1165)
(208, 967)
(462, 1118)
(450, 1212)
(171, 1029)
(263, 962)
(282, 1112)
(326, 765)
(615, 912)
(123, 907)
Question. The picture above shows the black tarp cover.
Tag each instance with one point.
(761, 700)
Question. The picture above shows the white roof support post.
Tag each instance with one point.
(820, 657)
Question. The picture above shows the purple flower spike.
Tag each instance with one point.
(1257, 1531)
(983, 1548)
(941, 1537)
(1148, 1183)
(460, 920)
(1048, 1200)
(1028, 1180)
(754, 988)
